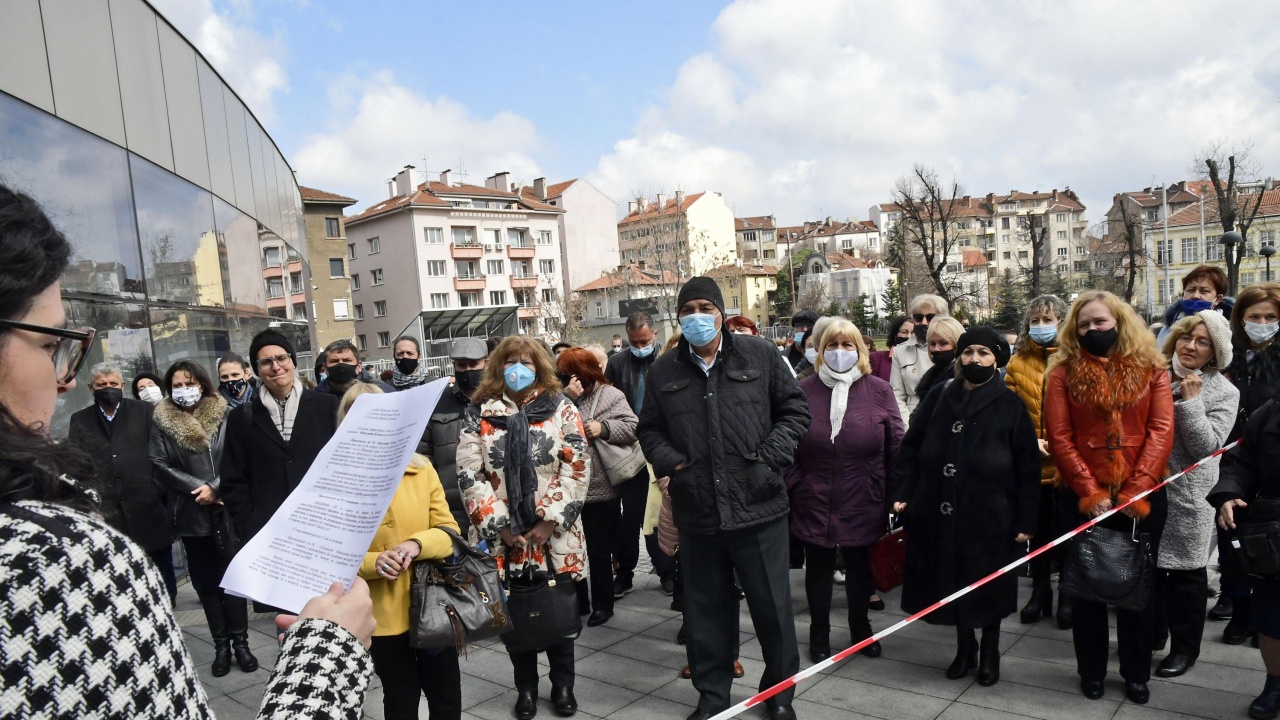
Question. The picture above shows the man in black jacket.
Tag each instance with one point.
(722, 416)
(440, 439)
(627, 371)
(115, 432)
(801, 325)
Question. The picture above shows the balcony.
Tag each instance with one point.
(521, 251)
(469, 283)
(524, 280)
(466, 251)
(528, 312)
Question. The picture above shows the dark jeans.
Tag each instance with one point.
(635, 495)
(819, 584)
(759, 556)
(205, 565)
(1046, 531)
(407, 674)
(163, 558)
(559, 656)
(1181, 596)
(1090, 630)
(600, 525)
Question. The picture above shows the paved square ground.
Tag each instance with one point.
(628, 669)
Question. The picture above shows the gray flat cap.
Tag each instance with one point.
(468, 348)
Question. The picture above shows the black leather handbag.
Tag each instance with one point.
(224, 533)
(1257, 537)
(458, 600)
(543, 607)
(1112, 567)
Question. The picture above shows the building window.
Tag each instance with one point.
(735, 301)
(1007, 255)
(468, 299)
(1247, 278)
(1004, 238)
(362, 342)
(340, 311)
(278, 313)
(1022, 254)
(1082, 250)
(544, 237)
(299, 311)
(375, 246)
(1190, 250)
(384, 339)
(1062, 252)
(1213, 249)
(1152, 216)
(270, 257)
(493, 237)
(1004, 222)
(599, 309)
(548, 295)
(351, 251)
(1268, 237)
(1060, 218)
(466, 270)
(376, 276)
(359, 312)
(380, 308)
(1082, 266)
(464, 236)
(275, 287)
(1164, 252)
(435, 268)
(433, 235)
(547, 267)
(439, 301)
(516, 238)
(521, 269)
(295, 283)
(497, 297)
(1062, 234)
(493, 267)
(337, 268)
(332, 228)
(1062, 268)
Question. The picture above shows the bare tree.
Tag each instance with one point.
(929, 210)
(815, 296)
(1041, 261)
(1236, 210)
(1120, 250)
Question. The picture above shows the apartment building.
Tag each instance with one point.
(441, 259)
(588, 227)
(685, 234)
(859, 238)
(757, 238)
(748, 289)
(842, 278)
(327, 257)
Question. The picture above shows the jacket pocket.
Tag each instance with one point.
(762, 483)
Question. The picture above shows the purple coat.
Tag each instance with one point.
(881, 364)
(838, 493)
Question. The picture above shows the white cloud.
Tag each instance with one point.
(380, 126)
(816, 107)
(250, 62)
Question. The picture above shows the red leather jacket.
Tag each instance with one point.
(1110, 428)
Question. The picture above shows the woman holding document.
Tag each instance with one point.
(523, 469)
(409, 531)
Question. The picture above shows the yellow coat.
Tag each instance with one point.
(1025, 377)
(418, 508)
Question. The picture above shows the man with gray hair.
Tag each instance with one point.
(115, 431)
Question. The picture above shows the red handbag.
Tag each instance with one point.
(888, 557)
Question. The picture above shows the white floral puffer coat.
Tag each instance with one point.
(562, 462)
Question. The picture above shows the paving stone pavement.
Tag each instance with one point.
(628, 669)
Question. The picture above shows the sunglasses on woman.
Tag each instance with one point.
(73, 346)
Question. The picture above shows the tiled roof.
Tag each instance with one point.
(314, 195)
(631, 275)
(651, 210)
(1190, 215)
(553, 191)
(974, 258)
(428, 195)
(762, 222)
(745, 268)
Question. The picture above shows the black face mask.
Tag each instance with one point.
(342, 374)
(406, 366)
(108, 396)
(468, 380)
(942, 357)
(1099, 342)
(235, 388)
(977, 374)
(920, 331)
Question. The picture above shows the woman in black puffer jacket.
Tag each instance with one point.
(187, 434)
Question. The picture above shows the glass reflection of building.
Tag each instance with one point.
(185, 219)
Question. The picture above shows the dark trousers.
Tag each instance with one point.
(1181, 596)
(1046, 532)
(559, 656)
(163, 558)
(819, 584)
(635, 496)
(600, 525)
(206, 567)
(759, 556)
(407, 674)
(1090, 630)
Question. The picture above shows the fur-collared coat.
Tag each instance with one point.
(1110, 427)
(562, 464)
(186, 451)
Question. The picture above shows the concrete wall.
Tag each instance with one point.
(712, 238)
(589, 229)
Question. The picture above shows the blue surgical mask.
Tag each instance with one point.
(698, 328)
(1043, 334)
(799, 338)
(518, 377)
(643, 352)
(1195, 305)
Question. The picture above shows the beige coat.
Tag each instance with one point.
(910, 363)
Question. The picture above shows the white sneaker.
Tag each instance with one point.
(838, 577)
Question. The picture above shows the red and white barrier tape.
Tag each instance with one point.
(807, 673)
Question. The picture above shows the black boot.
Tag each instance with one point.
(1240, 626)
(1267, 705)
(989, 658)
(1040, 604)
(237, 610)
(966, 654)
(819, 643)
(1223, 609)
(1064, 611)
(527, 704)
(216, 616)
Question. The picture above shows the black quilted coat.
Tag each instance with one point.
(730, 432)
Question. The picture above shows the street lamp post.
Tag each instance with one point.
(1267, 251)
(1230, 240)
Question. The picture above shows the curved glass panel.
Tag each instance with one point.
(180, 248)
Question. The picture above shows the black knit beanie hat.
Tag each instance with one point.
(700, 288)
(265, 338)
(987, 337)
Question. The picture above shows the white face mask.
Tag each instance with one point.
(187, 397)
(151, 394)
(841, 361)
(1261, 332)
(1181, 370)
(811, 355)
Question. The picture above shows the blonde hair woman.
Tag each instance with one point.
(1109, 418)
(523, 467)
(940, 339)
(411, 530)
(911, 358)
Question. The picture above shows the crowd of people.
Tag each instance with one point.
(982, 443)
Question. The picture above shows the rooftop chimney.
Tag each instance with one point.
(501, 181)
(640, 203)
(631, 207)
(540, 188)
(679, 199)
(404, 181)
(444, 177)
(661, 201)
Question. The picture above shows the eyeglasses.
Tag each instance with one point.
(266, 362)
(921, 317)
(1200, 343)
(69, 354)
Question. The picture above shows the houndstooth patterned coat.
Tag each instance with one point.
(86, 631)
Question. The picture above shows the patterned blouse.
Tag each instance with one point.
(562, 463)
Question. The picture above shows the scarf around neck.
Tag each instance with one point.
(840, 383)
(521, 466)
(400, 381)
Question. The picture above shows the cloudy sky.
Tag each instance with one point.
(798, 108)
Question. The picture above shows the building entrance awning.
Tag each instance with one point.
(482, 321)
